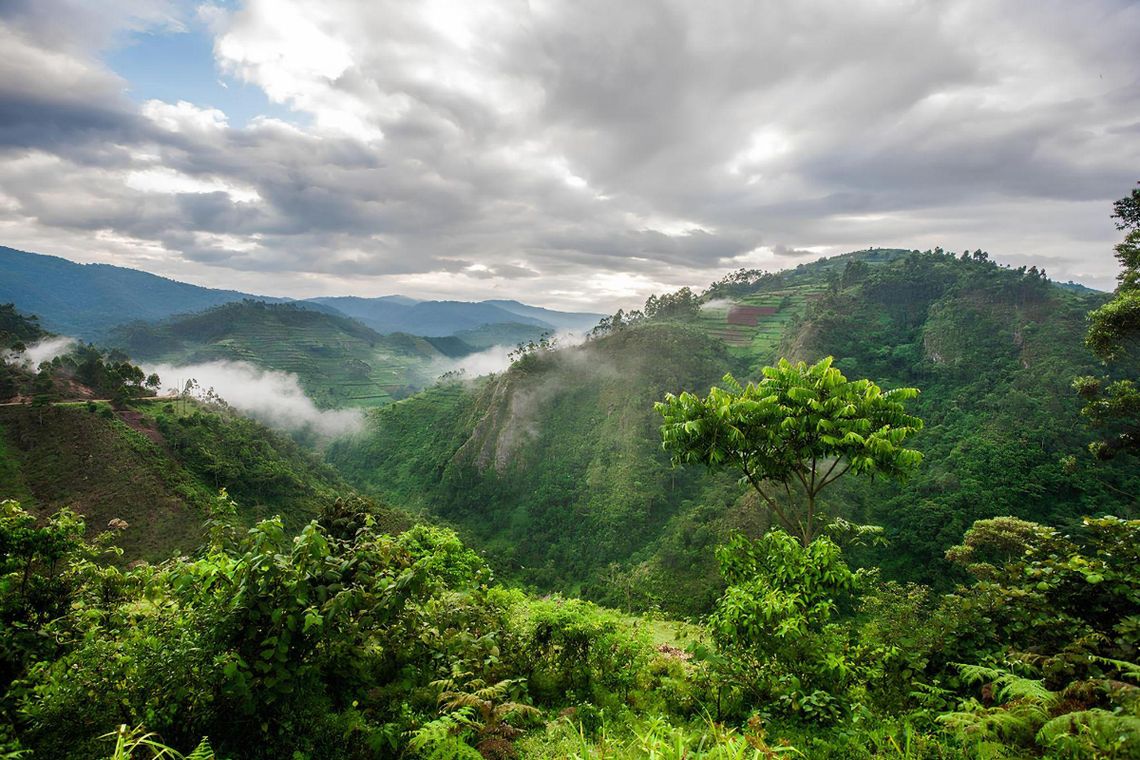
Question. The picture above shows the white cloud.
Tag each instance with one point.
(275, 398)
(160, 179)
(184, 117)
(616, 148)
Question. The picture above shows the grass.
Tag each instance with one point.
(674, 633)
(107, 465)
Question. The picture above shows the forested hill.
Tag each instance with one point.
(87, 301)
(555, 468)
(338, 361)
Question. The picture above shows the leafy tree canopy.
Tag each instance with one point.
(801, 427)
(1113, 405)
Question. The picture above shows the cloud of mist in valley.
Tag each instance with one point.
(270, 396)
(496, 358)
(716, 304)
(41, 351)
(518, 408)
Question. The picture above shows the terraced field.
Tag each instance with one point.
(753, 325)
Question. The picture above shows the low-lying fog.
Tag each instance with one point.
(41, 351)
(277, 399)
(496, 358)
(273, 397)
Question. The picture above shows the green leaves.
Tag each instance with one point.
(801, 427)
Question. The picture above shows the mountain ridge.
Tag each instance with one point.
(87, 301)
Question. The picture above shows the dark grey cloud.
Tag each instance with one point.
(574, 153)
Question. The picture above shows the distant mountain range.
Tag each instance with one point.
(85, 300)
(88, 300)
(439, 318)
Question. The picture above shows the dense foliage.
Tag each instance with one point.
(987, 606)
(345, 641)
(1113, 403)
(800, 427)
(552, 471)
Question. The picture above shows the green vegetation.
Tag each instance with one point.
(550, 467)
(553, 468)
(338, 361)
(800, 427)
(983, 607)
(153, 466)
(87, 300)
(17, 331)
(391, 314)
(344, 641)
(1113, 403)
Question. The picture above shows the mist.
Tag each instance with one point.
(41, 351)
(270, 396)
(716, 304)
(496, 358)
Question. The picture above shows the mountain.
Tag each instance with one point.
(445, 318)
(86, 300)
(338, 361)
(560, 320)
(555, 468)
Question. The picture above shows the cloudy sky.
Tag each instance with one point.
(572, 154)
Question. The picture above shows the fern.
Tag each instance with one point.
(1127, 669)
(1094, 732)
(1009, 686)
(1024, 706)
(445, 737)
(129, 741)
(203, 751)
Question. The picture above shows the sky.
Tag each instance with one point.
(576, 155)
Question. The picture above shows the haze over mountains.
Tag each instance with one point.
(88, 300)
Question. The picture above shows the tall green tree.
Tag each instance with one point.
(1112, 404)
(798, 430)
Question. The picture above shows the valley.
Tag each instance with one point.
(528, 524)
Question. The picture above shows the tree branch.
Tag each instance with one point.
(838, 475)
(770, 501)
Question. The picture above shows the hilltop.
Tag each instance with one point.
(390, 314)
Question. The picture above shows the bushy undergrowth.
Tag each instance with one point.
(344, 641)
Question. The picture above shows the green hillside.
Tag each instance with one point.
(338, 361)
(17, 328)
(334, 631)
(554, 467)
(157, 465)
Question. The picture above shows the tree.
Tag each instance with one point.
(1113, 405)
(799, 428)
(776, 621)
(1127, 210)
